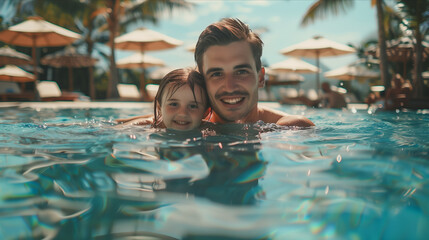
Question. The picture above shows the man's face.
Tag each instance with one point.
(232, 80)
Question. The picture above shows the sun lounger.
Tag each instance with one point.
(50, 91)
(129, 92)
(10, 91)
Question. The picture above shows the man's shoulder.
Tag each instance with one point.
(280, 118)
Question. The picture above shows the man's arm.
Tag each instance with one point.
(138, 120)
(283, 119)
(295, 121)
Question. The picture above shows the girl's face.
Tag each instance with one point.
(179, 111)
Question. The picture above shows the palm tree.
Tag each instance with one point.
(117, 14)
(123, 12)
(322, 7)
(415, 18)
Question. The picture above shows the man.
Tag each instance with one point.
(332, 99)
(228, 54)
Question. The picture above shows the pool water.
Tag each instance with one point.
(75, 174)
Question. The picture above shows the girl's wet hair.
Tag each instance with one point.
(177, 79)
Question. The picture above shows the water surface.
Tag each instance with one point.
(75, 174)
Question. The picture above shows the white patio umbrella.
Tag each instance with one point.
(138, 60)
(15, 74)
(143, 39)
(159, 73)
(347, 73)
(36, 32)
(294, 65)
(317, 47)
(191, 48)
(11, 56)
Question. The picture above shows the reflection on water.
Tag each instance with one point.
(74, 174)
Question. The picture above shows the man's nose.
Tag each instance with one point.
(229, 83)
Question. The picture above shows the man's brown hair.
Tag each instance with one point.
(224, 32)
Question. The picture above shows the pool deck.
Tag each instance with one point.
(77, 104)
(128, 105)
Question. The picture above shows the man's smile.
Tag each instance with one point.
(232, 98)
(232, 101)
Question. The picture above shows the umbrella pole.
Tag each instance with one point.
(317, 75)
(91, 83)
(70, 79)
(36, 77)
(33, 49)
(143, 92)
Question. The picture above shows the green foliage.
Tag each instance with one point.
(323, 8)
(415, 15)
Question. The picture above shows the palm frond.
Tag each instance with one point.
(322, 8)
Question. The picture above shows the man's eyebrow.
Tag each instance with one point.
(246, 65)
(210, 70)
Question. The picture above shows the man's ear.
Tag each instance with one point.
(261, 80)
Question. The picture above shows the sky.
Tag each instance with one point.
(280, 18)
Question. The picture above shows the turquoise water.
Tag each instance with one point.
(75, 174)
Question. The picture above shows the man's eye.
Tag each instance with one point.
(241, 72)
(216, 74)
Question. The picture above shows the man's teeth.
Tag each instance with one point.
(232, 100)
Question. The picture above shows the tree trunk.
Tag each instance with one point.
(418, 55)
(417, 73)
(89, 49)
(112, 91)
(385, 78)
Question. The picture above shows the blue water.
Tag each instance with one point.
(75, 174)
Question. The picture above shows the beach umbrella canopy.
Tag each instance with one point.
(36, 32)
(11, 56)
(138, 60)
(317, 47)
(294, 65)
(143, 39)
(283, 78)
(15, 74)
(347, 73)
(159, 73)
(69, 58)
(191, 48)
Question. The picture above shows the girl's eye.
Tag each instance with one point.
(173, 104)
(193, 106)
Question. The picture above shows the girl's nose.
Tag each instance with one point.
(183, 111)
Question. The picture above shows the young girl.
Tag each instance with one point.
(181, 102)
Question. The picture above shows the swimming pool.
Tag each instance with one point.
(71, 173)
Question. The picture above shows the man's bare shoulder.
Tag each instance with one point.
(280, 118)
